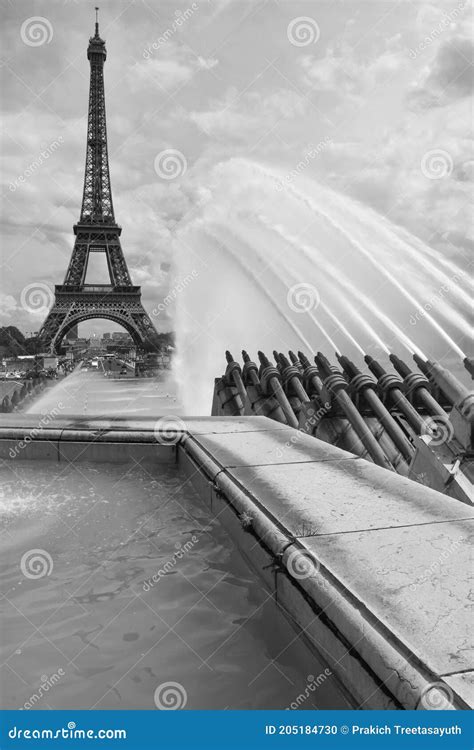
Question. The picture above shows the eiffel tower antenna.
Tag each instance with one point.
(97, 232)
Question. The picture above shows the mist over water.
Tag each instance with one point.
(287, 265)
(91, 394)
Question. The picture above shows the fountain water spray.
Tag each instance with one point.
(253, 244)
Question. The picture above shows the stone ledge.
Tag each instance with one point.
(375, 576)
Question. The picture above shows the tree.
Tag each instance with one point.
(13, 340)
(15, 343)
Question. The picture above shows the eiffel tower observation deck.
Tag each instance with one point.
(97, 232)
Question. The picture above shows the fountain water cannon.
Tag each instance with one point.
(295, 361)
(417, 388)
(365, 387)
(276, 357)
(455, 392)
(390, 387)
(422, 365)
(292, 379)
(436, 391)
(229, 391)
(259, 403)
(233, 375)
(311, 380)
(375, 367)
(461, 416)
(317, 408)
(250, 370)
(336, 384)
(468, 363)
(270, 381)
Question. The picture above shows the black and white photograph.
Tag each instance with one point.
(236, 365)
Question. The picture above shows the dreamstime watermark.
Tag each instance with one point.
(312, 685)
(313, 417)
(36, 563)
(46, 684)
(172, 295)
(43, 422)
(437, 31)
(170, 696)
(181, 16)
(302, 31)
(436, 697)
(437, 564)
(36, 163)
(303, 297)
(170, 164)
(436, 164)
(66, 733)
(37, 298)
(36, 31)
(437, 297)
(168, 430)
(300, 565)
(311, 153)
(170, 564)
(437, 429)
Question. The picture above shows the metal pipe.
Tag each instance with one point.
(312, 382)
(365, 386)
(292, 379)
(250, 370)
(234, 373)
(270, 380)
(260, 404)
(276, 357)
(337, 385)
(417, 386)
(313, 385)
(391, 387)
(295, 361)
(453, 389)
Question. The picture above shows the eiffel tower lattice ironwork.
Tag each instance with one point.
(97, 232)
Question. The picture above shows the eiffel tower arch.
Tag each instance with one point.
(97, 232)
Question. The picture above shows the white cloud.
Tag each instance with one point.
(447, 77)
(170, 67)
(344, 74)
(164, 73)
(246, 117)
(7, 305)
(207, 64)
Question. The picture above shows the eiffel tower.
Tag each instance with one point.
(97, 232)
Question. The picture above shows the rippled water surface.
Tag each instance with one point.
(83, 617)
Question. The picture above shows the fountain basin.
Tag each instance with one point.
(369, 564)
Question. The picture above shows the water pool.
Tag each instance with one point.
(117, 581)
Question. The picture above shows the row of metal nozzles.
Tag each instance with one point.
(409, 392)
(431, 374)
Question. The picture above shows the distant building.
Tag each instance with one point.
(20, 362)
(121, 336)
(120, 347)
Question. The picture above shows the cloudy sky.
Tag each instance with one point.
(381, 84)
